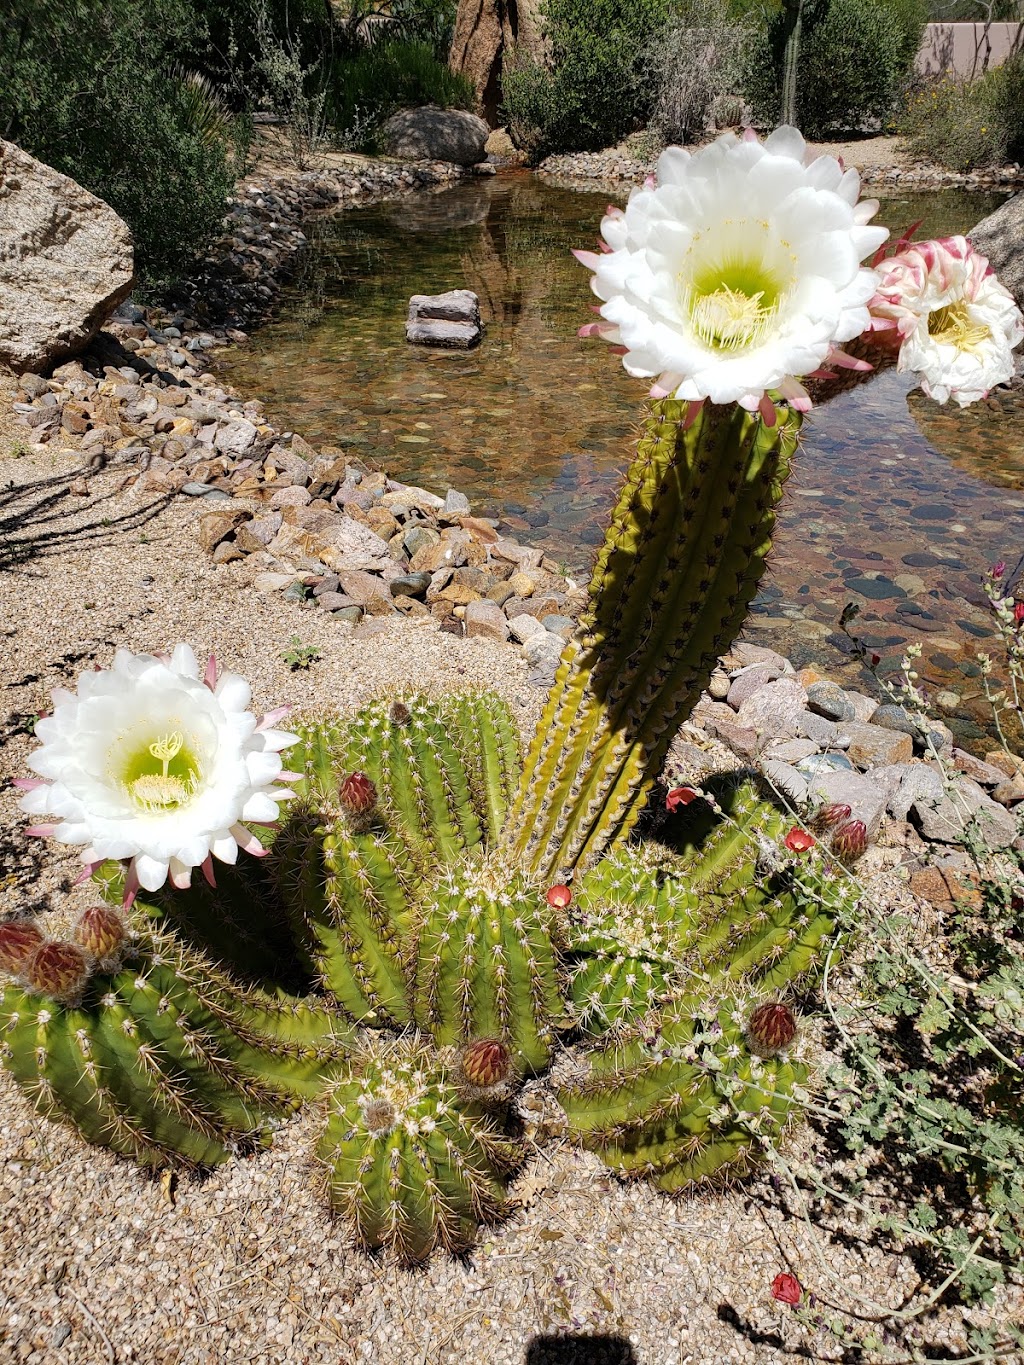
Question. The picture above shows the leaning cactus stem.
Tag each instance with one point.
(681, 562)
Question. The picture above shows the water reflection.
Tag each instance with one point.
(899, 507)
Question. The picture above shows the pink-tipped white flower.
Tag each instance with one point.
(157, 763)
(957, 325)
(739, 272)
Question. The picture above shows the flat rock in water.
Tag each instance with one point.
(65, 265)
(455, 305)
(449, 336)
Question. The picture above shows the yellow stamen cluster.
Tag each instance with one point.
(163, 790)
(729, 320)
(953, 326)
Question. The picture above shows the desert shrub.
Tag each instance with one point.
(698, 62)
(107, 95)
(601, 83)
(855, 57)
(389, 74)
(967, 124)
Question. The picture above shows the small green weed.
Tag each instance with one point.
(298, 655)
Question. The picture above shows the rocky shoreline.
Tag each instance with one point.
(615, 167)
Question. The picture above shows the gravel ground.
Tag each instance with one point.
(102, 1263)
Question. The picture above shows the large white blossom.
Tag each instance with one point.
(154, 762)
(957, 325)
(739, 271)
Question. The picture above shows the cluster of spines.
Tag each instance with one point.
(690, 1093)
(150, 1050)
(487, 964)
(680, 564)
(409, 1160)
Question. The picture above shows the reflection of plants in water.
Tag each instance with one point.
(985, 440)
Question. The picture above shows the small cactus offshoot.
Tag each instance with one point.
(412, 1165)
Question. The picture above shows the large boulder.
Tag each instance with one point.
(1000, 237)
(432, 134)
(485, 31)
(65, 262)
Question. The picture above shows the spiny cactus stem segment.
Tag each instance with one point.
(681, 563)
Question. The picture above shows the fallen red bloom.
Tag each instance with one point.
(786, 1288)
(680, 796)
(798, 840)
(559, 897)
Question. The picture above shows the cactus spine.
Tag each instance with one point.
(412, 1166)
(680, 565)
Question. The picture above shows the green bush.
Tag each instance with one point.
(968, 124)
(855, 57)
(102, 93)
(601, 84)
(389, 74)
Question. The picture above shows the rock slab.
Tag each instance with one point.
(450, 320)
(1000, 237)
(66, 262)
(432, 134)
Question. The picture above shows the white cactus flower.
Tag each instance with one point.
(739, 272)
(156, 763)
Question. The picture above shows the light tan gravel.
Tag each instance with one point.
(98, 1263)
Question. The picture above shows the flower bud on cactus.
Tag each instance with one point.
(101, 931)
(400, 713)
(58, 969)
(19, 938)
(850, 840)
(832, 815)
(357, 794)
(558, 897)
(486, 1064)
(772, 1027)
(798, 840)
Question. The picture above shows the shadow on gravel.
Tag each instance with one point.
(33, 519)
(566, 1348)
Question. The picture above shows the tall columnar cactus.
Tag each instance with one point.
(673, 582)
(408, 1159)
(684, 1097)
(147, 1048)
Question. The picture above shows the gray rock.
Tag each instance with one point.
(893, 717)
(873, 745)
(329, 583)
(362, 587)
(1000, 237)
(447, 336)
(235, 438)
(351, 614)
(946, 820)
(919, 783)
(410, 585)
(815, 765)
(457, 305)
(829, 700)
(825, 733)
(419, 538)
(456, 503)
(865, 797)
(486, 620)
(748, 681)
(719, 684)
(786, 778)
(562, 626)
(742, 654)
(774, 709)
(545, 648)
(524, 627)
(356, 546)
(524, 556)
(790, 750)
(863, 707)
(432, 134)
(335, 601)
(65, 263)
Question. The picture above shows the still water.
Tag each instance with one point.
(895, 503)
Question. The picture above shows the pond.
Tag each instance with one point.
(895, 503)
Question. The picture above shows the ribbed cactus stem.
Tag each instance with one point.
(680, 565)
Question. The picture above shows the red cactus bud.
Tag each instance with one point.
(1018, 612)
(772, 1027)
(558, 897)
(19, 938)
(357, 794)
(400, 713)
(850, 840)
(680, 796)
(486, 1063)
(798, 840)
(786, 1289)
(59, 969)
(100, 931)
(833, 814)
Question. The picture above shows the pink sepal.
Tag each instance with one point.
(183, 880)
(749, 135)
(767, 410)
(603, 246)
(848, 362)
(210, 676)
(132, 886)
(41, 831)
(28, 784)
(268, 721)
(619, 350)
(285, 775)
(87, 870)
(247, 841)
(649, 182)
(588, 258)
(207, 866)
(693, 411)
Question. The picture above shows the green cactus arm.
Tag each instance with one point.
(487, 735)
(681, 562)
